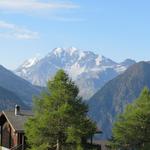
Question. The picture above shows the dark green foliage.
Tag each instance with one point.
(60, 117)
(132, 129)
(116, 94)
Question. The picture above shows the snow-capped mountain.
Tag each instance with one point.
(30, 62)
(89, 70)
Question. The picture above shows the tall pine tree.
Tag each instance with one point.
(60, 117)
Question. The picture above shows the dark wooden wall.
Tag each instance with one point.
(9, 137)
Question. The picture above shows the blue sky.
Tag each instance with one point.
(117, 29)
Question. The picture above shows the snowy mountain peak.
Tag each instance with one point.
(59, 51)
(99, 59)
(90, 71)
(71, 50)
(30, 62)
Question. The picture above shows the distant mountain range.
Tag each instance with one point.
(15, 90)
(89, 70)
(108, 102)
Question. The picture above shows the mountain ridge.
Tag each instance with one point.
(23, 89)
(85, 67)
(8, 100)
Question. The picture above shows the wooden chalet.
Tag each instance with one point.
(12, 129)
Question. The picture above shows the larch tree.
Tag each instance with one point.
(132, 129)
(60, 119)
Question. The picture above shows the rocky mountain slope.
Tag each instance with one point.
(108, 102)
(89, 70)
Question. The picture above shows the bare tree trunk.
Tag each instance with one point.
(57, 148)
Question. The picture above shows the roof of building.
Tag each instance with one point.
(17, 121)
(103, 143)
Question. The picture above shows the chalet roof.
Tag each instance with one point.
(17, 121)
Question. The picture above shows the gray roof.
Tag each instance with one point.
(17, 121)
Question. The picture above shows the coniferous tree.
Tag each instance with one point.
(60, 117)
(132, 129)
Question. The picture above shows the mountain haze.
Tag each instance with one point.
(9, 99)
(108, 102)
(22, 90)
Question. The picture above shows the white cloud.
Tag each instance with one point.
(34, 5)
(9, 30)
(51, 9)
